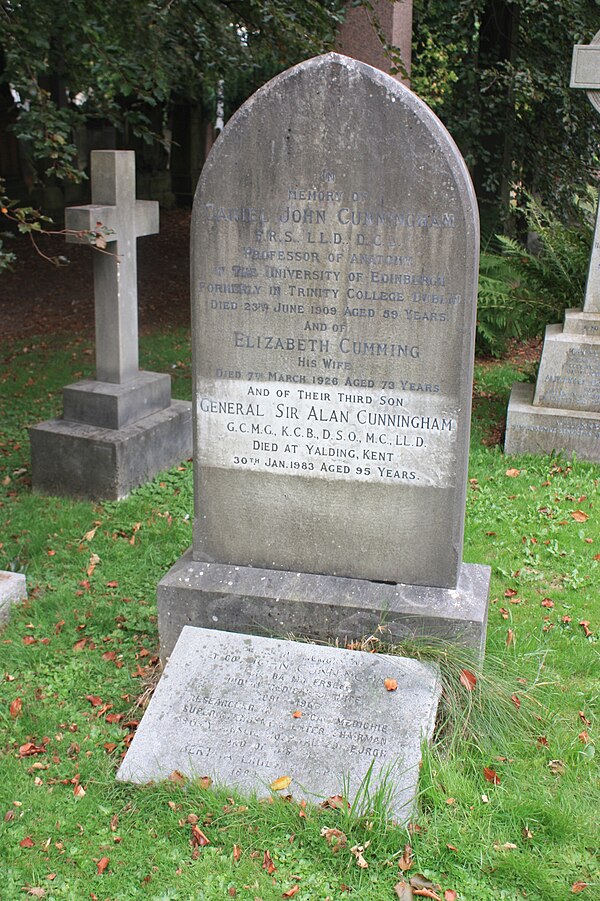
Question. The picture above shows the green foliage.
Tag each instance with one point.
(505, 97)
(522, 291)
(78, 60)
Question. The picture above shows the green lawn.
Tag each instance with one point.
(509, 797)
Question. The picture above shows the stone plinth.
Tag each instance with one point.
(319, 607)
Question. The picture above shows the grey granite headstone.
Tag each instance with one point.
(562, 411)
(334, 272)
(120, 429)
(13, 588)
(225, 708)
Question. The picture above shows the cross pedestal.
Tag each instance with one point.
(562, 412)
(113, 422)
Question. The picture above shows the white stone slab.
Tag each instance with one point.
(225, 708)
(13, 588)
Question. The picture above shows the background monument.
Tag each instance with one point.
(562, 411)
(119, 430)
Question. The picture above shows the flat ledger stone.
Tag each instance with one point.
(227, 707)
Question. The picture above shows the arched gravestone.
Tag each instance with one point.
(335, 253)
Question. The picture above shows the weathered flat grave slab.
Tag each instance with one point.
(13, 588)
(225, 707)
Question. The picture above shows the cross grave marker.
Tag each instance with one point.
(119, 429)
(121, 219)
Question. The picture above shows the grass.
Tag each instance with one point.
(79, 659)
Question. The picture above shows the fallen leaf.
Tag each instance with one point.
(542, 740)
(580, 516)
(507, 846)
(526, 832)
(36, 891)
(16, 707)
(268, 864)
(237, 853)
(94, 561)
(406, 861)
(280, 784)
(546, 602)
(29, 749)
(491, 775)
(357, 851)
(578, 887)
(291, 892)
(510, 637)
(516, 701)
(334, 837)
(556, 767)
(467, 679)
(452, 848)
(510, 593)
(199, 839)
(102, 865)
(112, 584)
(404, 891)
(504, 613)
(94, 700)
(450, 895)
(586, 628)
(513, 473)
(177, 777)
(583, 737)
(584, 719)
(390, 684)
(335, 802)
(297, 714)
(27, 842)
(79, 645)
(79, 791)
(424, 888)
(89, 535)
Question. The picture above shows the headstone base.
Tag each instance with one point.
(115, 406)
(247, 711)
(13, 588)
(78, 460)
(319, 607)
(543, 430)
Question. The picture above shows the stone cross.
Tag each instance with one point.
(120, 219)
(585, 73)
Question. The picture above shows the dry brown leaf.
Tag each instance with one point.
(516, 701)
(268, 864)
(79, 791)
(237, 853)
(510, 637)
(406, 861)
(199, 839)
(491, 775)
(450, 895)
(507, 846)
(16, 707)
(297, 714)
(578, 887)
(102, 865)
(467, 679)
(335, 802)
(36, 891)
(358, 851)
(335, 838)
(549, 604)
(205, 781)
(176, 777)
(556, 767)
(89, 535)
(513, 473)
(27, 842)
(403, 891)
(584, 623)
(280, 784)
(580, 516)
(291, 892)
(390, 684)
(94, 561)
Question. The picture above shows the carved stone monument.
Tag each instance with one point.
(562, 411)
(334, 271)
(119, 430)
